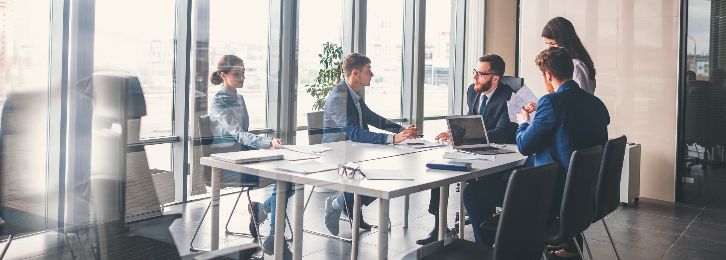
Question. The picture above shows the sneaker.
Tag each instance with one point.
(257, 216)
(332, 216)
(268, 247)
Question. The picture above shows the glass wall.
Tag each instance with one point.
(384, 46)
(704, 102)
(227, 27)
(144, 51)
(24, 76)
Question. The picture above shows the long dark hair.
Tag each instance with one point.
(225, 64)
(563, 33)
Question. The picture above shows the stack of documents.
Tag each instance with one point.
(468, 156)
(519, 100)
(307, 167)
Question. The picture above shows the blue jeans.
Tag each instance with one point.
(270, 204)
(347, 198)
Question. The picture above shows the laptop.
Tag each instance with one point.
(468, 134)
(250, 156)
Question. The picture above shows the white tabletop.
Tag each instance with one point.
(400, 159)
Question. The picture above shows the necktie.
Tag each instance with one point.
(483, 105)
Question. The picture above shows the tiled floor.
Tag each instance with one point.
(648, 229)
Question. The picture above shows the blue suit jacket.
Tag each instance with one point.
(341, 120)
(566, 120)
(496, 119)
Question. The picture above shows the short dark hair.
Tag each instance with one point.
(496, 63)
(354, 61)
(556, 61)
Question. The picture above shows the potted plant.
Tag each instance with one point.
(328, 76)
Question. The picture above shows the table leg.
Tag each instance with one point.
(280, 214)
(405, 211)
(443, 200)
(383, 229)
(298, 232)
(216, 172)
(356, 227)
(462, 210)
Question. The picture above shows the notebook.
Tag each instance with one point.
(250, 156)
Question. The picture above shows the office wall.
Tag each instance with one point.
(634, 45)
(501, 31)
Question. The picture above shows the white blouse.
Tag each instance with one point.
(581, 75)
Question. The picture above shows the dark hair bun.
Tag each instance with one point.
(215, 78)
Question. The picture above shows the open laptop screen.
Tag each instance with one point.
(467, 131)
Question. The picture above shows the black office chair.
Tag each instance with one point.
(514, 82)
(607, 191)
(205, 143)
(578, 198)
(521, 233)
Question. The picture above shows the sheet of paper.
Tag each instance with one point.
(306, 148)
(468, 156)
(386, 174)
(520, 99)
(290, 155)
(419, 144)
(307, 167)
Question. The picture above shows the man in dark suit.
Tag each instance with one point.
(567, 119)
(347, 117)
(487, 97)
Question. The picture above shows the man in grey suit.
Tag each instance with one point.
(347, 117)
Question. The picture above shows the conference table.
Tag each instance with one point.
(396, 159)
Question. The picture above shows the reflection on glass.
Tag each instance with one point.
(314, 30)
(140, 48)
(24, 52)
(384, 46)
(438, 50)
(705, 100)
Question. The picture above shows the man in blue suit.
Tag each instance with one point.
(347, 117)
(567, 119)
(487, 97)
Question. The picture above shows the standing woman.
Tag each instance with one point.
(230, 118)
(559, 32)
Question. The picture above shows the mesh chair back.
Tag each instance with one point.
(514, 82)
(607, 192)
(578, 198)
(522, 227)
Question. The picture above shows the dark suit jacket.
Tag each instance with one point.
(566, 120)
(496, 119)
(341, 121)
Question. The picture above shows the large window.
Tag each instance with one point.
(384, 46)
(314, 31)
(241, 28)
(438, 52)
(143, 49)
